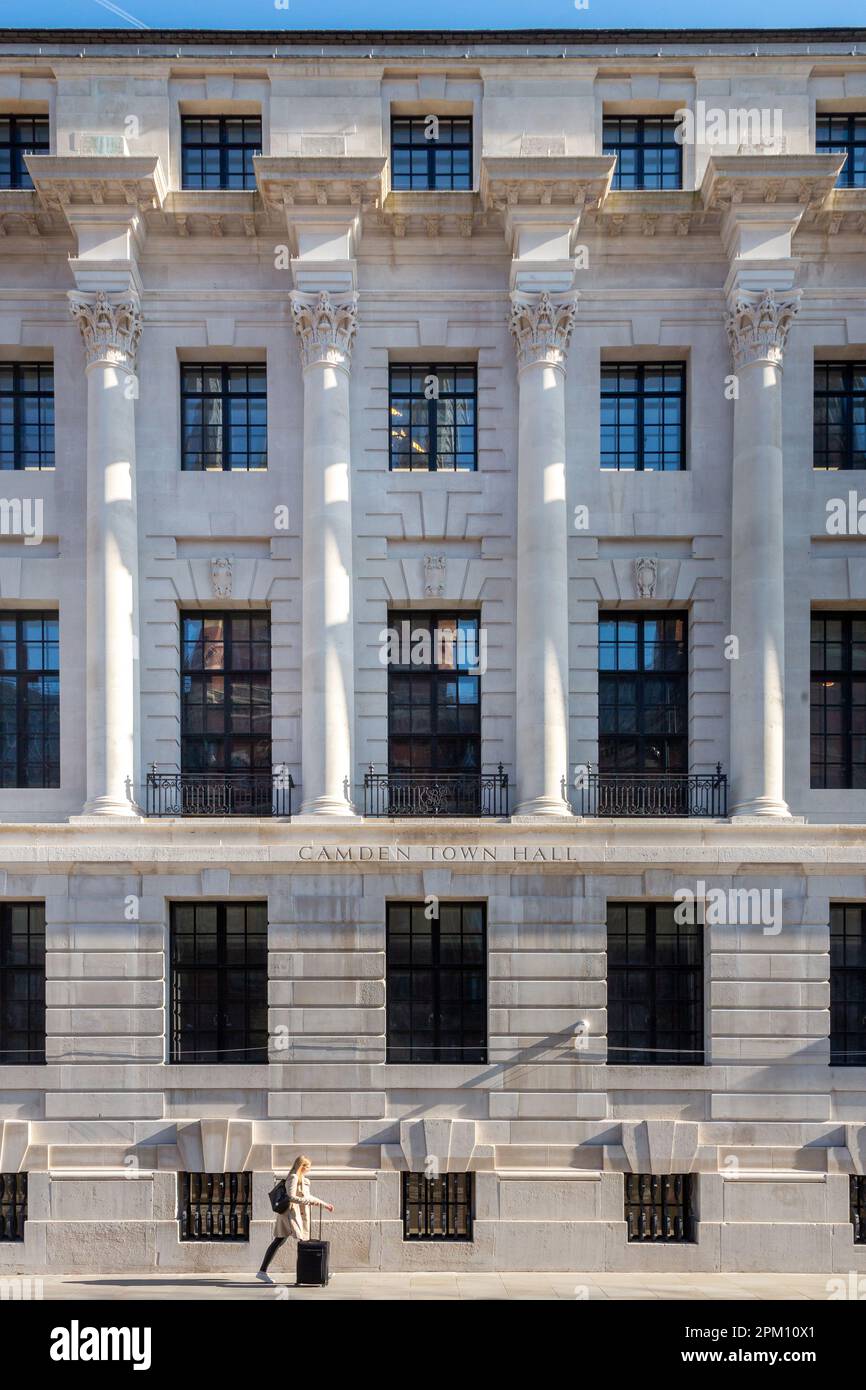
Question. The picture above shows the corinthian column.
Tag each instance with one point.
(111, 328)
(758, 325)
(542, 330)
(326, 331)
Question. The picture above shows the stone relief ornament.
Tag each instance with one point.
(221, 576)
(646, 571)
(325, 327)
(110, 326)
(542, 328)
(434, 576)
(758, 325)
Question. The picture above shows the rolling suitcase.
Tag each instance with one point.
(313, 1259)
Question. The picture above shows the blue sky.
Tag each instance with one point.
(424, 14)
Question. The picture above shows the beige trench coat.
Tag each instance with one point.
(295, 1220)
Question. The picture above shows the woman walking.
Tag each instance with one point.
(295, 1220)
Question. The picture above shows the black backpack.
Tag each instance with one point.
(279, 1197)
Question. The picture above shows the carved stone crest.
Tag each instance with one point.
(221, 576)
(646, 571)
(434, 576)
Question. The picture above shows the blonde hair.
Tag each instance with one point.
(300, 1162)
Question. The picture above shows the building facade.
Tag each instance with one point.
(395, 766)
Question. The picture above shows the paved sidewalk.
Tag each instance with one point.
(376, 1285)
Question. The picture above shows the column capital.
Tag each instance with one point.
(326, 327)
(542, 326)
(758, 323)
(110, 326)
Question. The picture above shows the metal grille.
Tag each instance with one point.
(437, 1208)
(847, 985)
(648, 154)
(215, 1206)
(433, 153)
(218, 794)
(219, 983)
(217, 151)
(661, 794)
(435, 793)
(655, 968)
(838, 700)
(839, 416)
(858, 1207)
(20, 135)
(643, 417)
(224, 417)
(26, 415)
(428, 431)
(436, 983)
(844, 134)
(22, 984)
(13, 1205)
(29, 700)
(660, 1208)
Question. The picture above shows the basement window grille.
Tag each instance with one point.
(437, 1208)
(858, 1207)
(660, 1208)
(13, 1205)
(215, 1206)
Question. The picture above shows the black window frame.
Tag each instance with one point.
(232, 1045)
(641, 978)
(36, 722)
(640, 401)
(857, 1196)
(672, 747)
(408, 397)
(854, 141)
(402, 1000)
(643, 126)
(660, 1208)
(403, 132)
(238, 667)
(13, 171)
(847, 979)
(838, 685)
(250, 145)
(215, 1199)
(849, 402)
(17, 400)
(231, 400)
(13, 1206)
(438, 1208)
(451, 749)
(22, 977)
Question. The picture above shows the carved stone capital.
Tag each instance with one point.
(325, 327)
(758, 324)
(110, 326)
(542, 328)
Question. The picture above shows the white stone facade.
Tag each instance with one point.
(537, 276)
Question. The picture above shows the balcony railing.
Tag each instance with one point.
(436, 793)
(218, 793)
(629, 794)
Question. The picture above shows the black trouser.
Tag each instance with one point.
(271, 1251)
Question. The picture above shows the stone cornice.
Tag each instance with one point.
(321, 181)
(800, 180)
(326, 327)
(97, 181)
(572, 182)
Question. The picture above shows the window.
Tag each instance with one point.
(839, 700)
(647, 152)
(655, 987)
(839, 422)
(643, 417)
(434, 694)
(844, 135)
(26, 415)
(219, 983)
(224, 418)
(226, 692)
(847, 985)
(660, 1208)
(858, 1207)
(437, 983)
(215, 1206)
(20, 135)
(22, 984)
(217, 151)
(643, 696)
(431, 152)
(439, 433)
(437, 1208)
(29, 700)
(13, 1205)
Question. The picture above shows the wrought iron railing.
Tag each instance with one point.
(436, 793)
(218, 793)
(652, 793)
